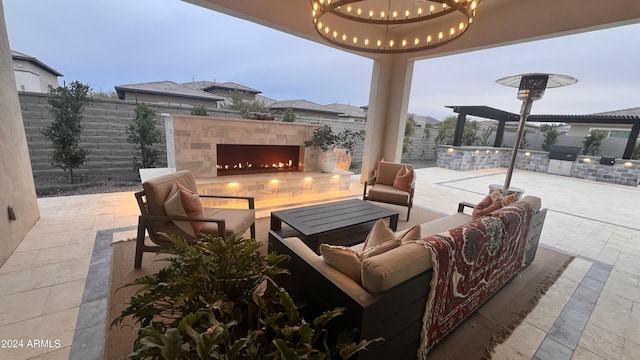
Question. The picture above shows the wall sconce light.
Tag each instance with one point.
(527, 154)
(587, 160)
(308, 178)
(336, 176)
(477, 151)
(450, 150)
(488, 151)
(233, 184)
(274, 181)
(628, 164)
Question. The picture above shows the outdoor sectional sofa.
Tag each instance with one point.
(396, 288)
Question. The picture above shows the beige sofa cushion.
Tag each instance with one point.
(383, 272)
(388, 193)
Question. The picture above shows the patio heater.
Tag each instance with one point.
(531, 87)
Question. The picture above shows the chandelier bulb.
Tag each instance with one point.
(330, 15)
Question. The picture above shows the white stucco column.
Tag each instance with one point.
(387, 114)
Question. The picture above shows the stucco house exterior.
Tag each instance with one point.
(619, 131)
(32, 74)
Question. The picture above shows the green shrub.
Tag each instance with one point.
(66, 130)
(220, 299)
(200, 110)
(143, 133)
(551, 136)
(592, 142)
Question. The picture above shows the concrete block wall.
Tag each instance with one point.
(623, 172)
(105, 122)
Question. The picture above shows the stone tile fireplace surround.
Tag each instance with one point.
(192, 145)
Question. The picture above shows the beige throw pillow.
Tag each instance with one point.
(404, 179)
(183, 202)
(344, 259)
(380, 240)
(491, 203)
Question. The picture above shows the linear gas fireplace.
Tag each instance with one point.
(233, 159)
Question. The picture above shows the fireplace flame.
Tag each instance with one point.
(247, 166)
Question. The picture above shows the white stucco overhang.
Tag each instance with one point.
(498, 23)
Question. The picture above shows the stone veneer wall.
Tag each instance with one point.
(195, 139)
(623, 172)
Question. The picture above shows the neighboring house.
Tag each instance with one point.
(305, 108)
(620, 131)
(32, 74)
(349, 112)
(226, 90)
(167, 92)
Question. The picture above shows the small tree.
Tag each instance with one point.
(409, 130)
(289, 115)
(636, 152)
(592, 142)
(247, 109)
(486, 133)
(524, 142)
(200, 110)
(142, 133)
(445, 132)
(550, 138)
(67, 105)
(104, 95)
(470, 132)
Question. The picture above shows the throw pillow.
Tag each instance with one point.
(403, 179)
(491, 203)
(344, 259)
(184, 202)
(379, 234)
(380, 240)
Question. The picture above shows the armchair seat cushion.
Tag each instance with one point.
(236, 220)
(387, 193)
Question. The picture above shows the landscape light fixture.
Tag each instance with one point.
(392, 26)
(531, 87)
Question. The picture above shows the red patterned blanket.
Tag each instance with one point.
(470, 264)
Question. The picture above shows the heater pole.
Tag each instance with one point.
(524, 113)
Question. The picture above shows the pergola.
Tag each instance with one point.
(498, 23)
(503, 117)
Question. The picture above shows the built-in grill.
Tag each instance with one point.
(567, 153)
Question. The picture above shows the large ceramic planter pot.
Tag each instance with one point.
(327, 161)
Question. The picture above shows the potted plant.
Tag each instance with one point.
(327, 141)
(220, 299)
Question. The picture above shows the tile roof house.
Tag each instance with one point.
(168, 92)
(350, 112)
(32, 74)
(305, 108)
(225, 90)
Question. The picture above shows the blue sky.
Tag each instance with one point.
(116, 42)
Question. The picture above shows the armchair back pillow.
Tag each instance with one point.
(184, 202)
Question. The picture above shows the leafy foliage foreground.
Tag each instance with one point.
(219, 299)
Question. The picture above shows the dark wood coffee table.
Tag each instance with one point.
(344, 222)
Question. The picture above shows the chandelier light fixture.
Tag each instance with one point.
(392, 26)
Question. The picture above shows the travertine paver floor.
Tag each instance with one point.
(591, 312)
